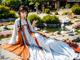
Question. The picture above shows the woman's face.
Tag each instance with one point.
(23, 14)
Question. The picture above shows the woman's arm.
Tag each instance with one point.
(31, 26)
(32, 29)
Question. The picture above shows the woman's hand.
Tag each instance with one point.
(34, 23)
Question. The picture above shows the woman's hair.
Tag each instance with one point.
(23, 8)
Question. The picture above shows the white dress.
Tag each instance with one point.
(51, 49)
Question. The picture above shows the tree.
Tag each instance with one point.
(36, 3)
(14, 4)
(0, 1)
(25, 2)
(36, 6)
(56, 4)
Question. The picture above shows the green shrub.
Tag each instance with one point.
(47, 11)
(67, 6)
(12, 14)
(50, 19)
(35, 17)
(13, 4)
(4, 9)
(5, 12)
(75, 5)
(76, 9)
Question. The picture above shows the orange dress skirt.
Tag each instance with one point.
(18, 48)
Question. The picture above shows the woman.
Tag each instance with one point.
(31, 45)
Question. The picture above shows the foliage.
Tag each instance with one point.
(35, 17)
(14, 4)
(67, 6)
(50, 19)
(31, 3)
(12, 14)
(5, 12)
(4, 9)
(76, 9)
(0, 1)
(36, 4)
(47, 11)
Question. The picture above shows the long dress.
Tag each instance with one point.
(34, 46)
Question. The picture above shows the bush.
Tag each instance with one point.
(12, 14)
(50, 19)
(5, 12)
(13, 4)
(67, 6)
(4, 9)
(35, 17)
(47, 11)
(76, 9)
